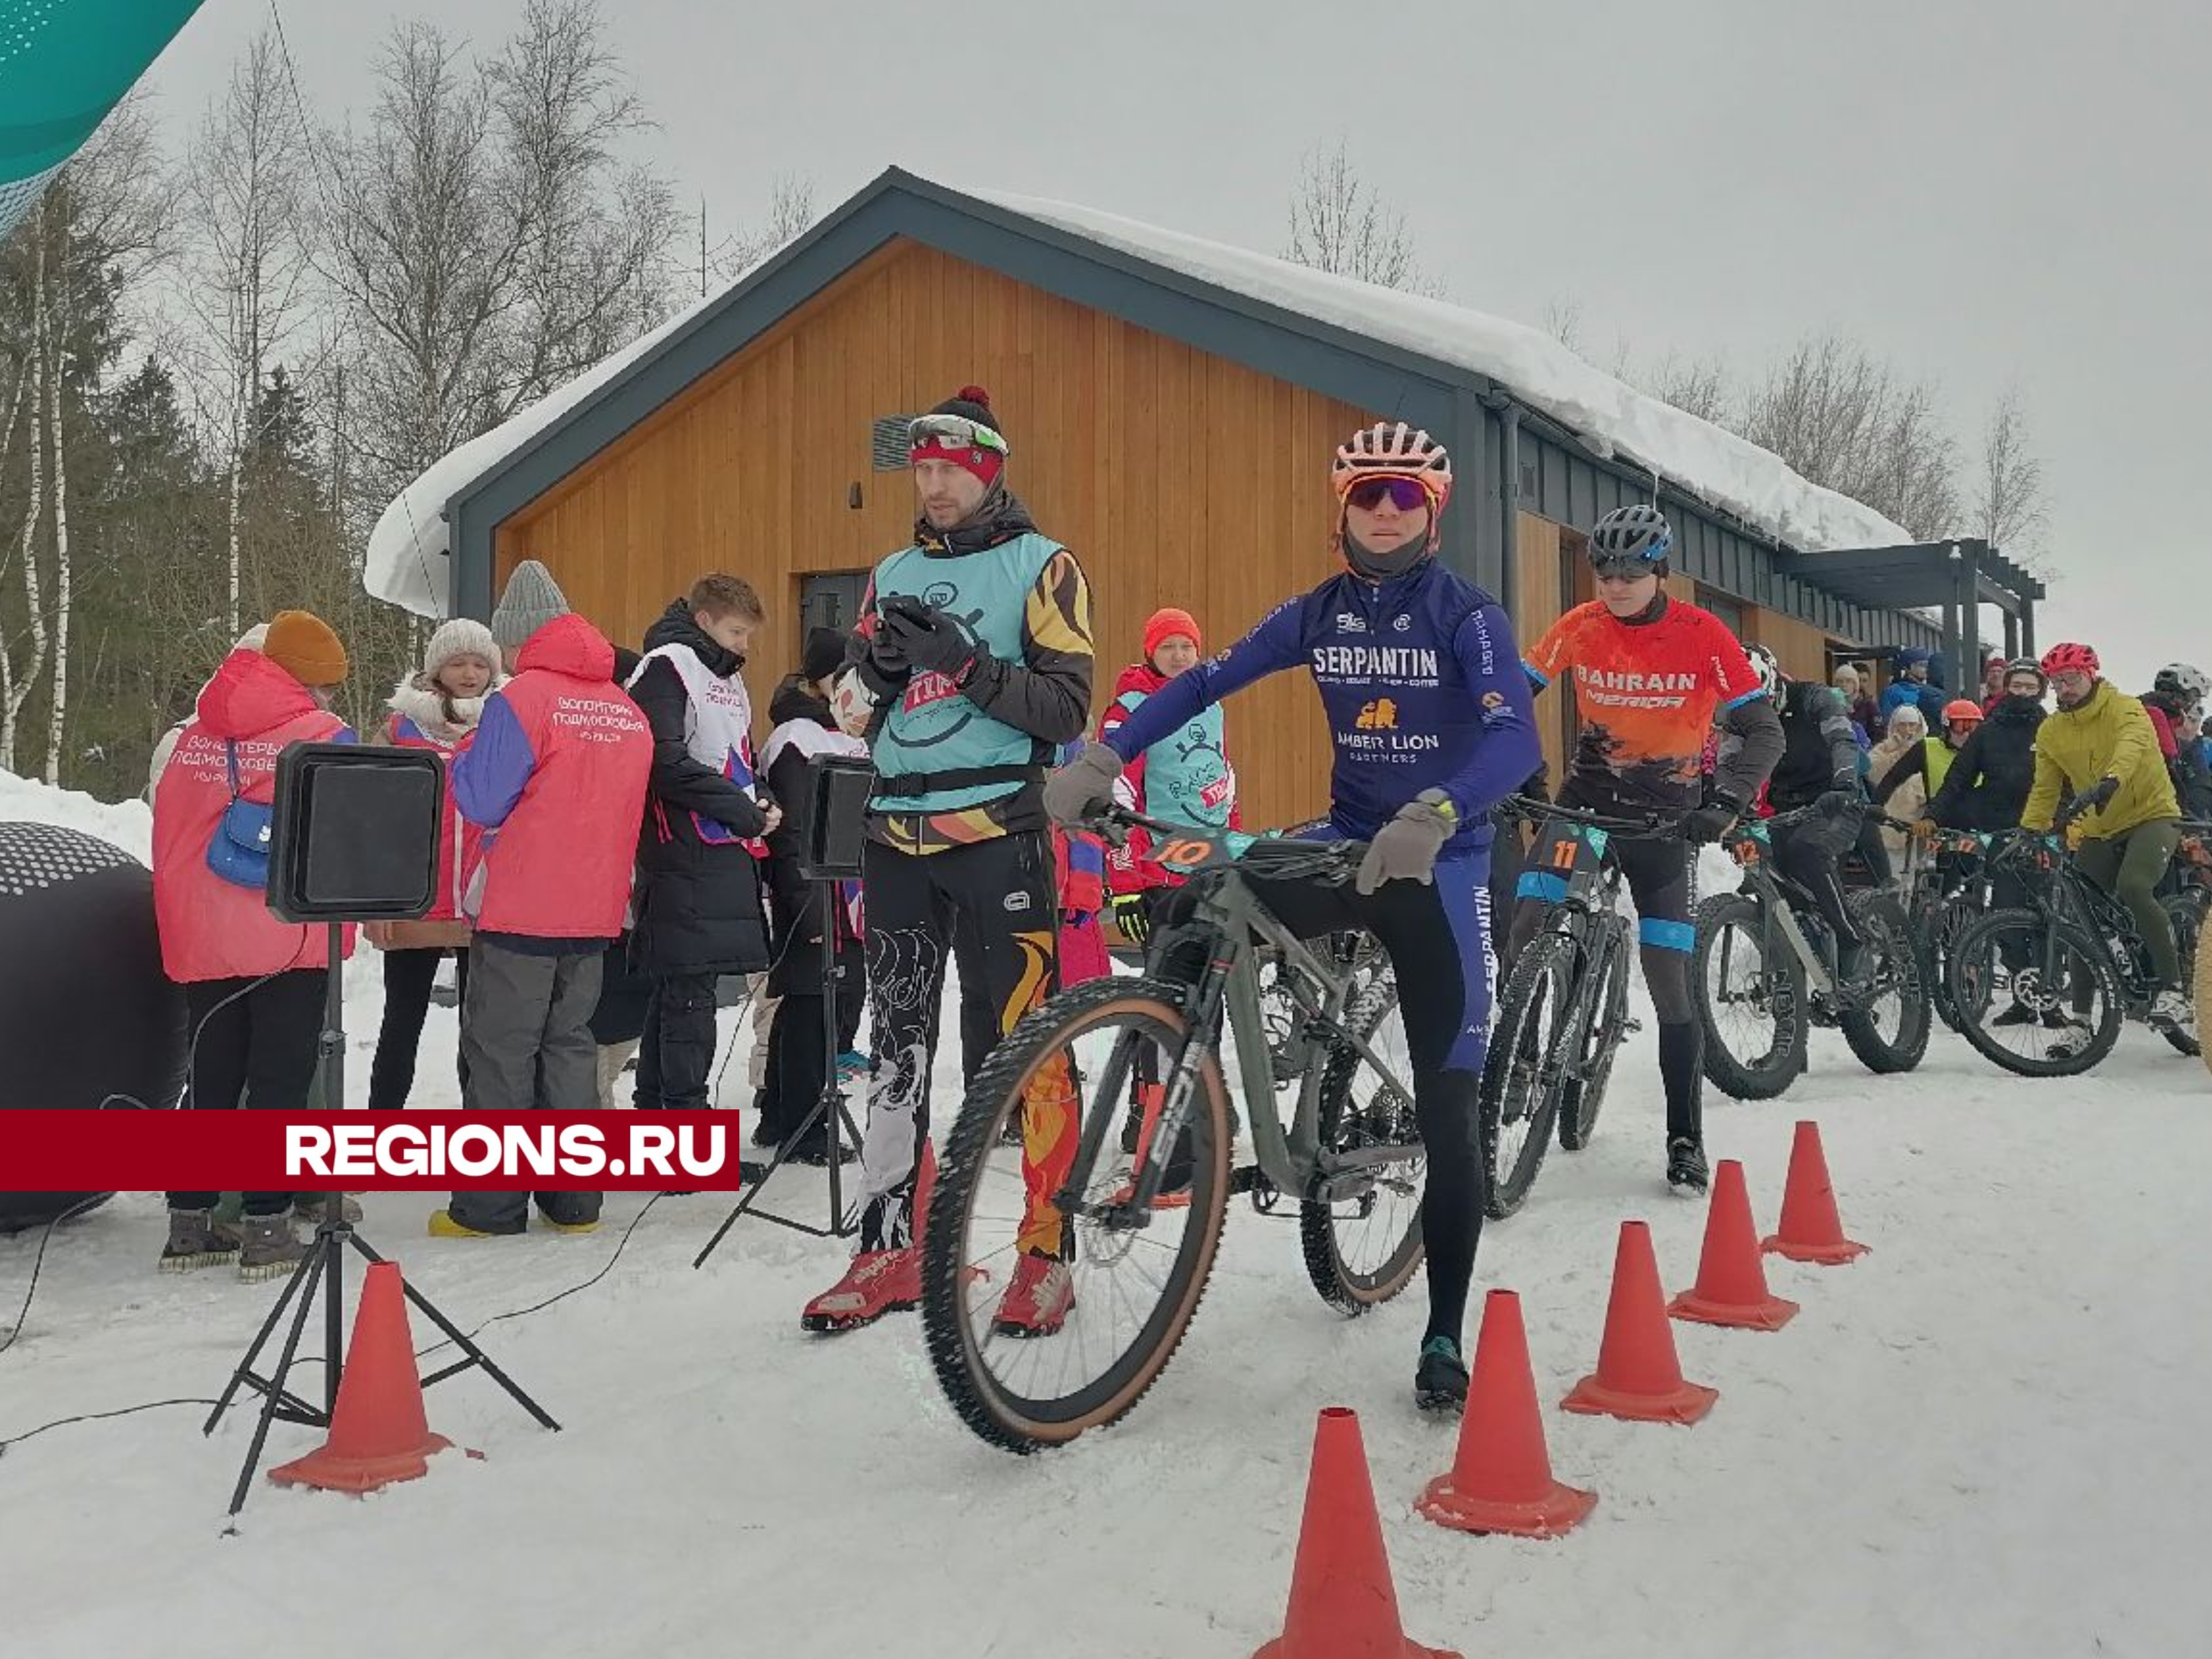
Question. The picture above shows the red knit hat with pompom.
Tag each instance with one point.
(973, 403)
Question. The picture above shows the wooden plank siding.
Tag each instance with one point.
(1177, 477)
(1546, 595)
(1801, 649)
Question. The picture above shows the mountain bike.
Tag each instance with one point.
(1139, 1238)
(1764, 959)
(2198, 846)
(1948, 888)
(1293, 1044)
(2067, 969)
(1564, 1013)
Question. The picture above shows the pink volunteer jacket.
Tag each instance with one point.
(211, 928)
(558, 775)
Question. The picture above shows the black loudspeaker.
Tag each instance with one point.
(354, 833)
(841, 787)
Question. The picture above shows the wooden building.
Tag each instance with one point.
(1172, 424)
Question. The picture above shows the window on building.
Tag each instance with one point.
(830, 599)
(1727, 607)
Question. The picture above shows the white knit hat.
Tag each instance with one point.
(463, 636)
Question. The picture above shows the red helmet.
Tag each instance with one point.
(1961, 708)
(2069, 658)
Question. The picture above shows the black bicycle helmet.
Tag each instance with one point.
(1639, 533)
(2028, 665)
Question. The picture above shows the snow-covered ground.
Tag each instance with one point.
(1991, 1436)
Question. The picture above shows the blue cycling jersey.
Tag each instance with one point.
(1421, 679)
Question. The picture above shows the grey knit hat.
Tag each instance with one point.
(532, 598)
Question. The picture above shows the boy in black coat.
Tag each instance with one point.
(698, 904)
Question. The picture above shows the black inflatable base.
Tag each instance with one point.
(19, 1211)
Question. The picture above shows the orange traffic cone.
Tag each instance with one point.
(1638, 1376)
(1811, 1230)
(1343, 1605)
(378, 1432)
(1731, 1287)
(1501, 1479)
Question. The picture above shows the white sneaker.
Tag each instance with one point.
(2170, 1011)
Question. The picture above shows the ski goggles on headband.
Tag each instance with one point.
(952, 432)
(1405, 493)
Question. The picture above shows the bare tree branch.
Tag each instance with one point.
(2010, 510)
(1339, 225)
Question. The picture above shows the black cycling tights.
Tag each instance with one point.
(1806, 852)
(1437, 938)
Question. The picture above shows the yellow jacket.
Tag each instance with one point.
(2109, 735)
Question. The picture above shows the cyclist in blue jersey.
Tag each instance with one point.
(1431, 720)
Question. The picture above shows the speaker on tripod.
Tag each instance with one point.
(353, 837)
(835, 834)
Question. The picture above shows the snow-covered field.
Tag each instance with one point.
(1991, 1436)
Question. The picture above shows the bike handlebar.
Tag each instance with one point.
(1655, 826)
(1285, 858)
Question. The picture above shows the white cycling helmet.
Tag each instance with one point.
(2178, 680)
(1768, 667)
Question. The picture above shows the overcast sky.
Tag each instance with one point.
(1987, 193)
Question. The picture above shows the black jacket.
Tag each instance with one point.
(2192, 780)
(798, 970)
(698, 903)
(1819, 751)
(1990, 777)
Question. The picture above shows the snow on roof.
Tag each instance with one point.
(409, 558)
(1610, 415)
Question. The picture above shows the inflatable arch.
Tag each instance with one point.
(87, 1016)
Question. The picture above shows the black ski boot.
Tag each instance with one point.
(1685, 1168)
(1440, 1380)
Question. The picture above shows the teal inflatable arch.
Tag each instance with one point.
(63, 65)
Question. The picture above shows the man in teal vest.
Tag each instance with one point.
(975, 640)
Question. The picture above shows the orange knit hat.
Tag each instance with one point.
(301, 644)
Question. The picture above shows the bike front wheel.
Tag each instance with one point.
(1584, 1092)
(2184, 913)
(1888, 1030)
(1362, 1239)
(1524, 1072)
(2039, 999)
(1750, 1003)
(1065, 1077)
(2204, 995)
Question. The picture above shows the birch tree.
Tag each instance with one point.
(246, 183)
(15, 682)
(487, 241)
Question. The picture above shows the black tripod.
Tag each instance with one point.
(829, 1108)
(322, 1274)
